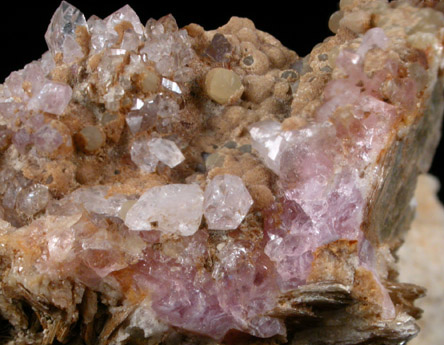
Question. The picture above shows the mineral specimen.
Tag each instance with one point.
(166, 185)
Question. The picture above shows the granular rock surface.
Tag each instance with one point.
(421, 262)
(166, 185)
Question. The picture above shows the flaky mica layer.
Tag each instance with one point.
(166, 185)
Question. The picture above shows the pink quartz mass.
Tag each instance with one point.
(321, 194)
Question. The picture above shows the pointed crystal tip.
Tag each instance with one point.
(61, 34)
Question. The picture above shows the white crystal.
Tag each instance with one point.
(142, 156)
(61, 34)
(227, 202)
(269, 141)
(166, 151)
(171, 85)
(174, 208)
(95, 199)
(52, 98)
(32, 199)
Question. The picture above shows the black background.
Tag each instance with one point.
(299, 25)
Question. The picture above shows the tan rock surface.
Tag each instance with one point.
(421, 261)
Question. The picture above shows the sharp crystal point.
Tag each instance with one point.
(62, 32)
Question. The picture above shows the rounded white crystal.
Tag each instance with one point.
(227, 202)
(173, 208)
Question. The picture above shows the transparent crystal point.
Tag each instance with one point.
(125, 14)
(61, 34)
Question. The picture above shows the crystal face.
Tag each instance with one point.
(177, 185)
(173, 208)
(62, 32)
(52, 98)
(227, 201)
(146, 153)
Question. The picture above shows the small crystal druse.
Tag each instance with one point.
(163, 185)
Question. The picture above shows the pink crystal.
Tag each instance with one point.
(52, 98)
(247, 288)
(322, 200)
(268, 140)
(188, 297)
(373, 38)
(21, 140)
(183, 296)
(47, 139)
(96, 199)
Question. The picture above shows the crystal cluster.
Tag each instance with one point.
(159, 182)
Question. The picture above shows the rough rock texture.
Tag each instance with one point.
(161, 185)
(421, 261)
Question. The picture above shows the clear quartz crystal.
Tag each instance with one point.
(97, 29)
(146, 153)
(32, 199)
(125, 14)
(174, 208)
(268, 141)
(142, 156)
(130, 41)
(142, 116)
(166, 151)
(61, 33)
(95, 199)
(227, 202)
(169, 48)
